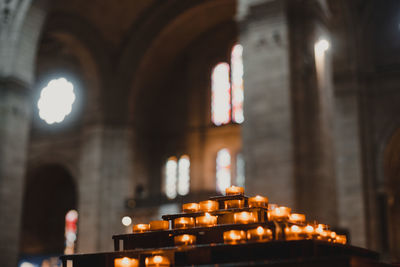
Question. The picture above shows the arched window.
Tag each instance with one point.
(177, 176)
(227, 90)
(223, 174)
(229, 170)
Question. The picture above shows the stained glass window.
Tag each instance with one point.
(227, 90)
(223, 170)
(183, 175)
(177, 176)
(240, 170)
(237, 83)
(170, 177)
(221, 95)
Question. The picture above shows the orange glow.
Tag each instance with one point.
(208, 205)
(140, 228)
(234, 204)
(244, 217)
(234, 190)
(258, 201)
(190, 207)
(184, 222)
(206, 221)
(126, 262)
(159, 225)
(181, 240)
(259, 234)
(234, 236)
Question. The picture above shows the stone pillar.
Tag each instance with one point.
(105, 184)
(312, 97)
(267, 129)
(15, 111)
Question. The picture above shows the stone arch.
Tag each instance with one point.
(50, 192)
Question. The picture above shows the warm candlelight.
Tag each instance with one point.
(157, 261)
(126, 262)
(234, 236)
(259, 234)
(141, 227)
(181, 240)
(184, 222)
(279, 213)
(294, 232)
(234, 190)
(208, 205)
(341, 239)
(309, 231)
(297, 218)
(258, 201)
(234, 204)
(159, 225)
(244, 217)
(190, 207)
(206, 221)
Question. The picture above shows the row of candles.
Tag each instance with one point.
(152, 261)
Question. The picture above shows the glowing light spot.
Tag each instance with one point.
(126, 220)
(260, 230)
(157, 259)
(56, 100)
(26, 264)
(322, 46)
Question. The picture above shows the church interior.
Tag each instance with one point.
(121, 111)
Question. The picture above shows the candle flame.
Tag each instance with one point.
(207, 215)
(309, 228)
(260, 230)
(157, 259)
(295, 229)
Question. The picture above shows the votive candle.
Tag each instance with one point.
(234, 236)
(244, 217)
(208, 205)
(159, 225)
(258, 201)
(259, 234)
(234, 190)
(141, 227)
(297, 218)
(279, 213)
(157, 261)
(181, 240)
(126, 262)
(206, 221)
(184, 222)
(190, 207)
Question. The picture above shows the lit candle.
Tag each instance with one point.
(293, 233)
(126, 262)
(297, 218)
(234, 190)
(259, 234)
(208, 205)
(341, 239)
(258, 201)
(279, 213)
(183, 222)
(157, 261)
(234, 236)
(244, 217)
(159, 225)
(181, 240)
(271, 207)
(206, 221)
(141, 227)
(234, 204)
(309, 231)
(190, 207)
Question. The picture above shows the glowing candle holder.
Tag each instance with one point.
(294, 232)
(206, 221)
(259, 234)
(234, 190)
(159, 225)
(190, 207)
(141, 227)
(234, 204)
(157, 261)
(309, 231)
(184, 222)
(279, 213)
(297, 218)
(126, 262)
(208, 205)
(234, 236)
(184, 240)
(258, 201)
(244, 217)
(341, 239)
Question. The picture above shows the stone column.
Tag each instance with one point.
(267, 129)
(312, 98)
(15, 111)
(105, 184)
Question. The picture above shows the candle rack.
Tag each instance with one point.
(232, 239)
